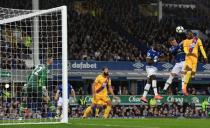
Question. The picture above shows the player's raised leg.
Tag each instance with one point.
(146, 90)
(176, 50)
(154, 86)
(168, 82)
(176, 71)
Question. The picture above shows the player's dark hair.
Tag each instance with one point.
(188, 31)
(171, 39)
(105, 67)
(46, 59)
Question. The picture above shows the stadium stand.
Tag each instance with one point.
(111, 44)
(113, 30)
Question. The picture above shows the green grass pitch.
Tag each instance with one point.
(122, 123)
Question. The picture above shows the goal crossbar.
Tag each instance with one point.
(32, 14)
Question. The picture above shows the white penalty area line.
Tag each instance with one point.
(121, 126)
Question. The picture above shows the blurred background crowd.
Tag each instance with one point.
(185, 110)
(112, 30)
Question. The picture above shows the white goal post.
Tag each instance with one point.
(17, 58)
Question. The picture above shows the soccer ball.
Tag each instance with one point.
(179, 29)
(116, 101)
(6, 85)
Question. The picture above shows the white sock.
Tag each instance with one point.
(154, 85)
(166, 86)
(146, 89)
(168, 82)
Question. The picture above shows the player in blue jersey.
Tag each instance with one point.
(177, 51)
(153, 56)
(59, 98)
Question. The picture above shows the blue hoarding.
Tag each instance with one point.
(77, 65)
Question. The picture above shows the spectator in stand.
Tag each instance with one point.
(124, 90)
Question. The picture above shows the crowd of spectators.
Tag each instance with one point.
(139, 111)
(170, 1)
(13, 50)
(120, 33)
(192, 91)
(147, 29)
(124, 89)
(10, 110)
(21, 4)
(92, 39)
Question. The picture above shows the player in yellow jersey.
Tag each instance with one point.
(191, 46)
(100, 89)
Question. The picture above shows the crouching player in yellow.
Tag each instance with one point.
(191, 46)
(100, 89)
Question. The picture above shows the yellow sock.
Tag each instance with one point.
(97, 112)
(87, 112)
(187, 77)
(107, 111)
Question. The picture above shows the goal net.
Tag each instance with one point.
(33, 64)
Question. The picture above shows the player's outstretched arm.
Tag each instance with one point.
(203, 52)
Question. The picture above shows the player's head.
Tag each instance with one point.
(155, 46)
(49, 61)
(190, 34)
(172, 41)
(105, 71)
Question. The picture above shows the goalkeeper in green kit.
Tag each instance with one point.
(35, 91)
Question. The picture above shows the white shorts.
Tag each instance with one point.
(151, 70)
(178, 67)
(60, 101)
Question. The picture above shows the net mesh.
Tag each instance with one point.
(28, 80)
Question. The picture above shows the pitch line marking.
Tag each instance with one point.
(115, 126)
(29, 123)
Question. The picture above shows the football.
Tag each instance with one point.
(6, 85)
(179, 29)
